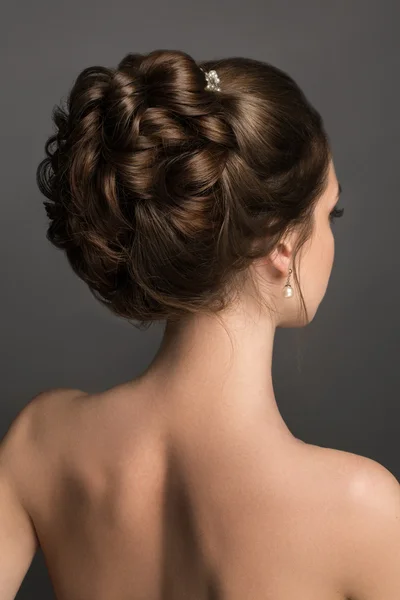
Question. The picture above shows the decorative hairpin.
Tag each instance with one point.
(213, 80)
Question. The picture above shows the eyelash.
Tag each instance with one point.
(336, 213)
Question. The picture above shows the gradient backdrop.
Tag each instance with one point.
(336, 381)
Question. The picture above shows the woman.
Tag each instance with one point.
(202, 196)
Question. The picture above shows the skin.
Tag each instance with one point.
(186, 483)
(198, 354)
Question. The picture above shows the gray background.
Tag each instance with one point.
(345, 55)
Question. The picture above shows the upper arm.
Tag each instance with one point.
(18, 453)
(371, 543)
(18, 541)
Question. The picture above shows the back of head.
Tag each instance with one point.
(162, 192)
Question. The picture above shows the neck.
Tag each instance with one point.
(219, 372)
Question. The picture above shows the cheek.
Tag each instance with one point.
(324, 248)
(331, 249)
(326, 261)
(322, 259)
(316, 265)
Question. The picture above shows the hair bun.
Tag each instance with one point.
(158, 189)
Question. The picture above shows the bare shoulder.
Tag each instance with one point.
(366, 520)
(360, 480)
(30, 425)
(52, 397)
(40, 403)
(371, 533)
(373, 484)
(359, 474)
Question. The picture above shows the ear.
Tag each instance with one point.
(280, 259)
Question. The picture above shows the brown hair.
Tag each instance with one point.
(162, 193)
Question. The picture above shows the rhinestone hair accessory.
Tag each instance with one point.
(213, 80)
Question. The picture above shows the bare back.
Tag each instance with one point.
(127, 506)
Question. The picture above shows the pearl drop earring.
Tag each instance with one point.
(288, 290)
